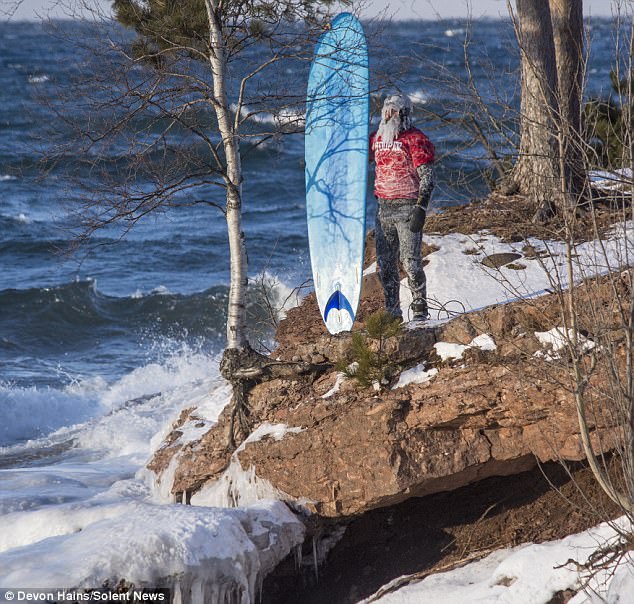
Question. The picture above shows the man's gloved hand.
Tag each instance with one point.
(417, 219)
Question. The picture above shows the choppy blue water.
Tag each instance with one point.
(122, 304)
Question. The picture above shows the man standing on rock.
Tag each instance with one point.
(403, 184)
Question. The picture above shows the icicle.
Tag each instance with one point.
(298, 556)
(315, 559)
(177, 597)
(260, 587)
(197, 592)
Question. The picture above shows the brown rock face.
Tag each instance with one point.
(360, 452)
(491, 413)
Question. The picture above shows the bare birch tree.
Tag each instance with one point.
(206, 69)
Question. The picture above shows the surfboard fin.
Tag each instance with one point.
(338, 302)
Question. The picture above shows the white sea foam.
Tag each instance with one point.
(38, 79)
(283, 117)
(419, 97)
(290, 117)
(62, 517)
(29, 413)
(452, 33)
(23, 219)
(142, 403)
(280, 296)
(110, 421)
(161, 290)
(7, 177)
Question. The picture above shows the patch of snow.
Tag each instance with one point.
(415, 375)
(277, 431)
(611, 180)
(449, 350)
(457, 281)
(338, 381)
(371, 269)
(483, 342)
(557, 338)
(280, 296)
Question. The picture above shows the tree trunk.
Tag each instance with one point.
(567, 20)
(236, 312)
(536, 171)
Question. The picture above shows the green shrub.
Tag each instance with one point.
(365, 360)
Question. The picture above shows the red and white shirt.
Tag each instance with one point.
(396, 163)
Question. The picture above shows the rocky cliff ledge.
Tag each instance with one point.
(339, 449)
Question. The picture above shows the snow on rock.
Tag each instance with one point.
(557, 338)
(448, 350)
(335, 388)
(415, 375)
(216, 551)
(277, 431)
(370, 270)
(483, 342)
(205, 412)
(527, 574)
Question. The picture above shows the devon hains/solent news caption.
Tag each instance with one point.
(58, 596)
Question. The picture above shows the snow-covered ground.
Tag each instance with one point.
(527, 574)
(615, 180)
(457, 280)
(77, 507)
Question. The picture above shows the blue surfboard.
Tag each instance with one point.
(337, 115)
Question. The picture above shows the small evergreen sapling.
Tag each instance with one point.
(366, 360)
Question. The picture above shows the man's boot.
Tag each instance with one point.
(420, 311)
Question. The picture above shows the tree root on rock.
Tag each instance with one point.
(244, 368)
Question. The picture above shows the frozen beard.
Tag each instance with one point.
(389, 129)
(395, 117)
